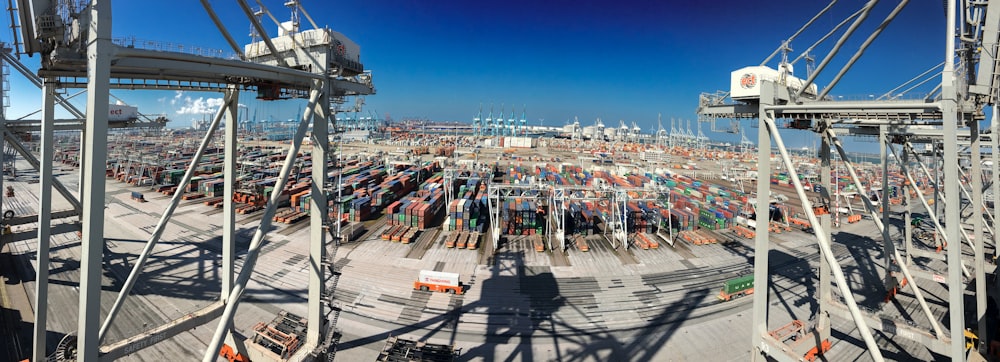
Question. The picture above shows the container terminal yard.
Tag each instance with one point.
(397, 244)
(668, 279)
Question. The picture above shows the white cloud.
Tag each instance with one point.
(177, 97)
(200, 105)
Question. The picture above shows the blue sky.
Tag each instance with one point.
(558, 59)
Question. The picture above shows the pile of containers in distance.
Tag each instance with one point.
(366, 189)
(696, 204)
(419, 209)
(468, 210)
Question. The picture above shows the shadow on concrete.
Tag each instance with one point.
(890, 351)
(32, 234)
(530, 315)
(869, 290)
(15, 334)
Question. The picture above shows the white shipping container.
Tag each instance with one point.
(521, 142)
(436, 277)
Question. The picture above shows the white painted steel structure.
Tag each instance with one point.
(949, 120)
(321, 63)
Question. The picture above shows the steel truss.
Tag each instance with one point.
(95, 62)
(891, 132)
(950, 120)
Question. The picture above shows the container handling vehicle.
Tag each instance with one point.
(436, 281)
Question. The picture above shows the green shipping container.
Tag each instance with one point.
(738, 284)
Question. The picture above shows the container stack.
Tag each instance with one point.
(523, 216)
(467, 211)
(213, 188)
(361, 209)
(641, 217)
(419, 210)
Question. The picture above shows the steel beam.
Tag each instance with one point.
(977, 157)
(153, 336)
(495, 203)
(32, 125)
(949, 105)
(826, 225)
(558, 213)
(448, 176)
(977, 226)
(860, 107)
(47, 149)
(99, 53)
(222, 29)
(762, 242)
(895, 328)
(263, 33)
(230, 173)
(38, 82)
(995, 176)
(904, 164)
(83, 167)
(861, 50)
(318, 215)
(801, 29)
(888, 247)
(836, 47)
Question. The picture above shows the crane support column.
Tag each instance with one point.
(230, 170)
(762, 241)
(44, 221)
(949, 111)
(904, 164)
(976, 176)
(99, 53)
(826, 227)
(318, 215)
(995, 175)
(888, 247)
